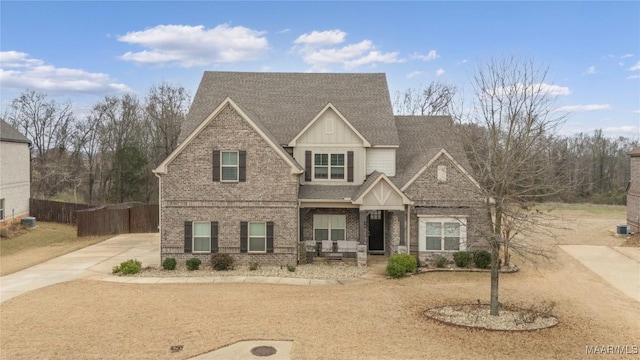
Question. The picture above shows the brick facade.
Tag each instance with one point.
(458, 195)
(270, 193)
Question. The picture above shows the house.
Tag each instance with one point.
(633, 192)
(277, 167)
(15, 184)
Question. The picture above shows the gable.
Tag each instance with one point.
(256, 126)
(381, 193)
(433, 166)
(329, 127)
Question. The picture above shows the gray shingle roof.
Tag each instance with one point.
(327, 192)
(421, 137)
(371, 178)
(8, 133)
(286, 102)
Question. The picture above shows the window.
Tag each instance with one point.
(442, 234)
(329, 227)
(1, 209)
(323, 168)
(202, 237)
(229, 165)
(257, 237)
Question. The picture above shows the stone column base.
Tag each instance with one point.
(362, 255)
(402, 250)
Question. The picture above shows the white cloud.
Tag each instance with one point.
(625, 56)
(620, 63)
(554, 90)
(617, 130)
(635, 67)
(463, 61)
(439, 72)
(540, 88)
(191, 46)
(591, 70)
(321, 38)
(316, 50)
(432, 55)
(636, 111)
(283, 31)
(583, 108)
(19, 71)
(633, 76)
(413, 74)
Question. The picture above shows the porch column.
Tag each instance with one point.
(402, 246)
(363, 241)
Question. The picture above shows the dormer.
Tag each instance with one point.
(331, 150)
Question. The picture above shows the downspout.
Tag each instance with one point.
(408, 229)
(159, 213)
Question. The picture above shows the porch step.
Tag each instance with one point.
(333, 256)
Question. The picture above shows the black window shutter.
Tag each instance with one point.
(216, 165)
(187, 236)
(242, 165)
(307, 166)
(243, 236)
(214, 237)
(350, 166)
(270, 236)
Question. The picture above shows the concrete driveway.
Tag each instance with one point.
(619, 266)
(97, 259)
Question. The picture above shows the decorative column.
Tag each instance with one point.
(402, 246)
(363, 238)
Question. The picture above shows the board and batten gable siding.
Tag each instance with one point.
(383, 160)
(15, 185)
(269, 193)
(457, 196)
(330, 135)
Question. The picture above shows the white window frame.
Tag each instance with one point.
(442, 173)
(193, 237)
(329, 228)
(329, 166)
(236, 166)
(249, 237)
(422, 231)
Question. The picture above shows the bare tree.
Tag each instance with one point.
(434, 99)
(514, 107)
(166, 107)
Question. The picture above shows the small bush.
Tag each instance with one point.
(193, 264)
(291, 268)
(482, 259)
(403, 263)
(462, 258)
(441, 261)
(222, 262)
(169, 264)
(395, 270)
(253, 266)
(128, 267)
(418, 262)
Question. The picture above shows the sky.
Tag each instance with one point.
(81, 51)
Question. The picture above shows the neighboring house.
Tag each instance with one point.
(633, 192)
(15, 184)
(274, 167)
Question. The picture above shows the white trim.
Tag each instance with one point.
(236, 166)
(327, 107)
(433, 159)
(385, 146)
(329, 166)
(405, 199)
(162, 168)
(193, 237)
(460, 219)
(327, 203)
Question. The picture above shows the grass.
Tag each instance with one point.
(24, 248)
(589, 208)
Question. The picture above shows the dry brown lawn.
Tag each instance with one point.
(90, 319)
(48, 240)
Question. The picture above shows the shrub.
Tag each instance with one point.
(395, 270)
(482, 259)
(128, 267)
(222, 262)
(253, 266)
(193, 264)
(401, 263)
(291, 268)
(441, 261)
(169, 264)
(462, 258)
(418, 262)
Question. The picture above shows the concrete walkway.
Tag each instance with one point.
(94, 260)
(619, 266)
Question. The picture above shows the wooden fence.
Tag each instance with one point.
(55, 211)
(118, 219)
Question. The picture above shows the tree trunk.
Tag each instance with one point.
(495, 271)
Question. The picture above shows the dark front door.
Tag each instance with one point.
(376, 232)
